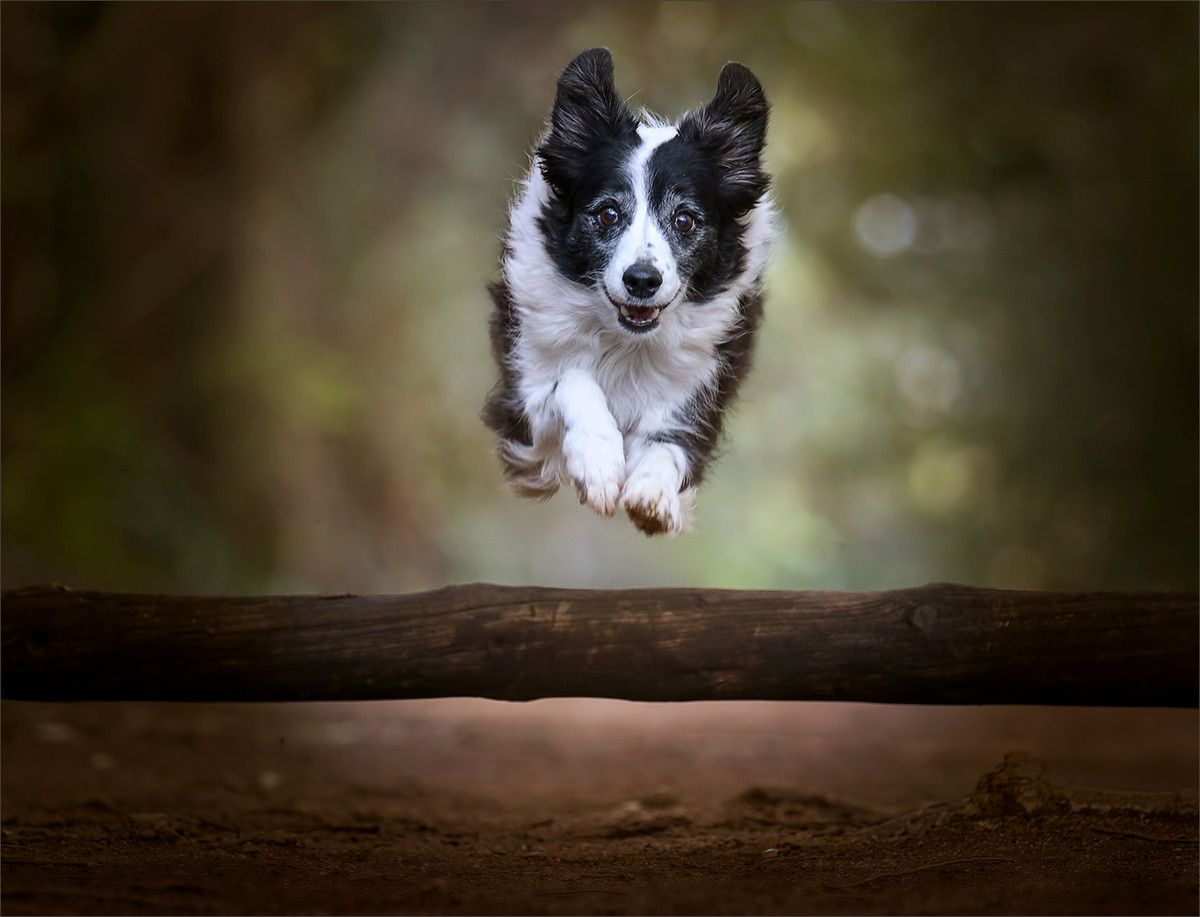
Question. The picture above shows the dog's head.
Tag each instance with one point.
(651, 216)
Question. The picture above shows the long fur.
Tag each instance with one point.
(621, 346)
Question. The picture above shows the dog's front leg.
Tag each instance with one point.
(651, 496)
(592, 446)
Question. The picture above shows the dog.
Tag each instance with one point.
(631, 293)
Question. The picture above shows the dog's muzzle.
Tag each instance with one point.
(642, 280)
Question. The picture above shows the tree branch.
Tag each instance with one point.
(934, 644)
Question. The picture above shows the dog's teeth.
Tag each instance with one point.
(639, 314)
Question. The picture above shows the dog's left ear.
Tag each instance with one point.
(732, 128)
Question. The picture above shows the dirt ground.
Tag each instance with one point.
(596, 807)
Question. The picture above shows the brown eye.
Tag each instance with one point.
(684, 221)
(609, 216)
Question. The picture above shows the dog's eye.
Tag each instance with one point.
(684, 221)
(609, 216)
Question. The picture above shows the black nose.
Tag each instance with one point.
(642, 279)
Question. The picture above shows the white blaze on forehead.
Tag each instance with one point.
(652, 139)
(654, 136)
(642, 239)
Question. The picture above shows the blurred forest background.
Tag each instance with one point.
(244, 322)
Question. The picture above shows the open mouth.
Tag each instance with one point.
(638, 319)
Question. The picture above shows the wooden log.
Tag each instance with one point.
(934, 644)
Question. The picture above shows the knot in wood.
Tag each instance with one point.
(36, 645)
(923, 617)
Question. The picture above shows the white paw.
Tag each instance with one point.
(596, 464)
(651, 496)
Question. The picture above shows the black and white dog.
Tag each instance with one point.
(631, 294)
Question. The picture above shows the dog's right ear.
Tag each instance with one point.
(587, 110)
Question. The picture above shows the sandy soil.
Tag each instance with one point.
(596, 807)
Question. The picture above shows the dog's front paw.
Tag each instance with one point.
(596, 464)
(651, 496)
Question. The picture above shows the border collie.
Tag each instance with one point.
(630, 297)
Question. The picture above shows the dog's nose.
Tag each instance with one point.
(642, 279)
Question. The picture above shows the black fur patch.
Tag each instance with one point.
(591, 136)
(715, 160)
(502, 412)
(731, 131)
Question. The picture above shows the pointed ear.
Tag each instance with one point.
(732, 129)
(587, 110)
